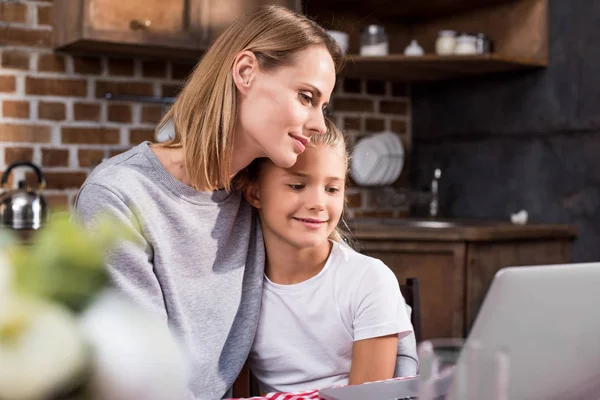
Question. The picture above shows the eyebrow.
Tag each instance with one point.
(305, 175)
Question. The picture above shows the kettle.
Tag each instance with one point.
(24, 208)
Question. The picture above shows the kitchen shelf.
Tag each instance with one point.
(401, 68)
(401, 11)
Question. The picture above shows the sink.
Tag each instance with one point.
(422, 222)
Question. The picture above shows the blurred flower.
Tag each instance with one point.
(135, 354)
(41, 349)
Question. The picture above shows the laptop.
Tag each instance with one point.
(546, 318)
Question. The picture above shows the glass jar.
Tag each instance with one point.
(373, 41)
(466, 45)
(445, 43)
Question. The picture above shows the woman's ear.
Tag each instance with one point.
(244, 69)
(251, 195)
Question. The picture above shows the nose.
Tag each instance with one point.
(315, 200)
(316, 123)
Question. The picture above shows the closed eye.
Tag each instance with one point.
(304, 98)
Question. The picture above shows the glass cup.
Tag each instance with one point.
(452, 369)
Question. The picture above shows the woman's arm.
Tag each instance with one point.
(373, 359)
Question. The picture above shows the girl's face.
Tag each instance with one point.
(282, 109)
(302, 205)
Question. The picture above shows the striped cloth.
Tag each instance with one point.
(310, 395)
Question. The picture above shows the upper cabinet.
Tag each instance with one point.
(174, 28)
(518, 29)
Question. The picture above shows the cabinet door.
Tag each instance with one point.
(152, 22)
(441, 272)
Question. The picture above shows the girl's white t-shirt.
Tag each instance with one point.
(306, 330)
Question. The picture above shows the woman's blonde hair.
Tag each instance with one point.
(204, 114)
(333, 137)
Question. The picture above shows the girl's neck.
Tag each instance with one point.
(287, 265)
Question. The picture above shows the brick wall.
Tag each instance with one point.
(53, 112)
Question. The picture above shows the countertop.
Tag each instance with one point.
(455, 230)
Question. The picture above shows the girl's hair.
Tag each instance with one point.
(204, 114)
(333, 137)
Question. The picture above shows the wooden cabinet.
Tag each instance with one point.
(456, 266)
(173, 29)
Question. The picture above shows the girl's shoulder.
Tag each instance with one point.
(355, 266)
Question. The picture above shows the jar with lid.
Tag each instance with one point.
(466, 44)
(373, 41)
(445, 43)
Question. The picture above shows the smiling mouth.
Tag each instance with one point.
(301, 139)
(310, 220)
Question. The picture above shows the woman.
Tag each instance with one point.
(198, 260)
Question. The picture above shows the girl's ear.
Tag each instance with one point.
(251, 195)
(244, 69)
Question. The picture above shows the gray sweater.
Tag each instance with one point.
(197, 261)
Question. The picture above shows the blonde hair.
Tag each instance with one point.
(204, 114)
(333, 137)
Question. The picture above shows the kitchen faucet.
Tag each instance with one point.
(434, 203)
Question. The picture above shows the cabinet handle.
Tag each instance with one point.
(138, 25)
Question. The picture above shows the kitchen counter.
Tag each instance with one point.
(456, 260)
(455, 230)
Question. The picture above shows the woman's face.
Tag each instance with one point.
(282, 109)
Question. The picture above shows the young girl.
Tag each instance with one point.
(329, 315)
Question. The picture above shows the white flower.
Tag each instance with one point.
(41, 348)
(136, 356)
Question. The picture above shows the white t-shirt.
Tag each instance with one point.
(306, 330)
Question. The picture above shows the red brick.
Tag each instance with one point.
(353, 105)
(151, 114)
(123, 88)
(154, 69)
(45, 15)
(16, 154)
(56, 87)
(13, 12)
(14, 59)
(25, 37)
(119, 113)
(24, 133)
(116, 152)
(137, 136)
(181, 72)
(57, 202)
(398, 126)
(86, 112)
(7, 84)
(59, 180)
(393, 107)
(51, 63)
(399, 89)
(351, 85)
(120, 67)
(170, 90)
(15, 109)
(352, 123)
(354, 200)
(52, 111)
(374, 124)
(55, 157)
(87, 65)
(72, 135)
(90, 157)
